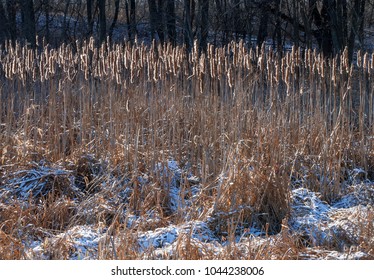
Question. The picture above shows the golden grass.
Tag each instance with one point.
(247, 122)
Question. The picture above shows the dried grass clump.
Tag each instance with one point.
(23, 223)
(11, 247)
(353, 230)
(251, 194)
(40, 183)
(87, 173)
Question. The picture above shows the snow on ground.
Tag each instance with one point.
(81, 242)
(317, 223)
(339, 225)
(322, 254)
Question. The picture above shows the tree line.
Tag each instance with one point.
(330, 25)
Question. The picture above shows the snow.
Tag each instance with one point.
(338, 224)
(82, 241)
(319, 224)
(173, 179)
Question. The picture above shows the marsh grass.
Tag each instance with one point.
(247, 122)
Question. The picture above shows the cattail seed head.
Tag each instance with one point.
(359, 58)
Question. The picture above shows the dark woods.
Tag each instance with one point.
(330, 25)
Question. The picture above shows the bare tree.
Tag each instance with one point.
(28, 21)
(204, 24)
(263, 26)
(133, 18)
(3, 23)
(89, 4)
(170, 21)
(102, 20)
(12, 25)
(47, 18)
(156, 18)
(188, 38)
(115, 18)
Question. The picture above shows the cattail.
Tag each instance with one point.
(269, 68)
(277, 73)
(365, 64)
(46, 73)
(34, 75)
(155, 72)
(284, 69)
(212, 67)
(174, 64)
(229, 77)
(359, 59)
(14, 68)
(210, 51)
(104, 66)
(310, 59)
(125, 59)
(149, 69)
(8, 70)
(201, 80)
(333, 76)
(29, 60)
(219, 68)
(202, 63)
(260, 63)
(234, 54)
(286, 79)
(41, 69)
(51, 67)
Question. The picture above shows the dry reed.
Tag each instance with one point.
(248, 118)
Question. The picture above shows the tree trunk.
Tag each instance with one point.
(160, 20)
(278, 25)
(133, 18)
(28, 22)
(355, 23)
(248, 16)
(236, 19)
(114, 22)
(128, 21)
(188, 40)
(89, 18)
(263, 28)
(3, 24)
(156, 19)
(296, 30)
(102, 20)
(362, 23)
(66, 22)
(327, 42)
(12, 25)
(152, 16)
(204, 28)
(170, 21)
(46, 11)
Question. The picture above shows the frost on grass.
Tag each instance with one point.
(357, 194)
(322, 254)
(79, 242)
(174, 179)
(40, 182)
(162, 237)
(308, 212)
(327, 231)
(339, 225)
